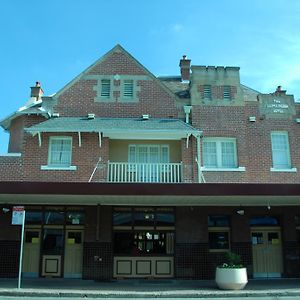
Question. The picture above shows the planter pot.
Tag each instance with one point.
(231, 279)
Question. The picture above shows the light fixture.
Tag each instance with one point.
(5, 210)
(240, 212)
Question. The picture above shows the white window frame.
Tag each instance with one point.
(219, 166)
(160, 147)
(281, 168)
(51, 166)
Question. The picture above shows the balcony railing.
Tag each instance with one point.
(145, 172)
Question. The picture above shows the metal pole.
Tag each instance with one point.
(21, 251)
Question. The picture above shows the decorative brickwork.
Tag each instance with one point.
(9, 258)
(97, 261)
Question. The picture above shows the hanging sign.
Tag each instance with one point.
(17, 215)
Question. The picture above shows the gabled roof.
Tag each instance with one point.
(117, 48)
(117, 127)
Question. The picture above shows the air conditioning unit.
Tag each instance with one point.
(298, 120)
(252, 119)
(91, 116)
(145, 117)
(55, 115)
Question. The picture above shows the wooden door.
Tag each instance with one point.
(31, 259)
(73, 253)
(267, 252)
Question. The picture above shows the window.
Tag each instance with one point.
(60, 152)
(219, 153)
(218, 233)
(226, 92)
(207, 92)
(280, 150)
(264, 221)
(105, 88)
(128, 89)
(148, 154)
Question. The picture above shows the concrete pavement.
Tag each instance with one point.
(51, 287)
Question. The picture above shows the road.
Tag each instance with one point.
(67, 298)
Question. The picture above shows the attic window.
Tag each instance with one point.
(105, 88)
(207, 92)
(128, 89)
(226, 93)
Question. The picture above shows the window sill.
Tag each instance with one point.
(49, 168)
(239, 169)
(291, 170)
(11, 154)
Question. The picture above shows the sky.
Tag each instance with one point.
(52, 41)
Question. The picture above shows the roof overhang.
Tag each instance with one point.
(210, 194)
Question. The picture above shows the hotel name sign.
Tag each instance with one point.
(277, 107)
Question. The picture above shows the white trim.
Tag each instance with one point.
(291, 170)
(40, 139)
(11, 155)
(79, 139)
(238, 169)
(70, 168)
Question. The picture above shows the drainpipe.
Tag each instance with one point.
(187, 110)
(201, 178)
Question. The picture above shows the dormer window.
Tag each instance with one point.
(128, 89)
(227, 93)
(207, 92)
(105, 88)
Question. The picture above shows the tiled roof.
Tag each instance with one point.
(79, 124)
(174, 83)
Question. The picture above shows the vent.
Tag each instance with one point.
(207, 92)
(227, 93)
(91, 116)
(145, 117)
(128, 89)
(55, 115)
(105, 88)
(252, 119)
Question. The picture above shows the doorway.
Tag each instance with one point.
(267, 252)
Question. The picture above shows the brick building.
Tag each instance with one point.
(128, 175)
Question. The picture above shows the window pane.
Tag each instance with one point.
(143, 219)
(228, 154)
(218, 221)
(264, 221)
(164, 219)
(122, 219)
(54, 217)
(124, 243)
(60, 152)
(210, 154)
(128, 89)
(164, 154)
(33, 217)
(280, 150)
(218, 240)
(75, 218)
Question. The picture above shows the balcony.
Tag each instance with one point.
(123, 172)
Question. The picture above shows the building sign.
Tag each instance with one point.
(272, 106)
(17, 215)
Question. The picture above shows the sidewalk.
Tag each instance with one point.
(145, 288)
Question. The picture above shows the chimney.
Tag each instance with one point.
(36, 91)
(280, 91)
(185, 65)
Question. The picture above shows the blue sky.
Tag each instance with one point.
(52, 41)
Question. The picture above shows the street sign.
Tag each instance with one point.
(17, 215)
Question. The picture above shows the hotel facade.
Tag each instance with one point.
(123, 174)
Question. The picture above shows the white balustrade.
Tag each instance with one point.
(144, 172)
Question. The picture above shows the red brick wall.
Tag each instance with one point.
(10, 168)
(16, 135)
(78, 99)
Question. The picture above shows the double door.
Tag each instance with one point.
(267, 252)
(53, 251)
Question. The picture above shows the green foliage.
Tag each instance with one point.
(233, 260)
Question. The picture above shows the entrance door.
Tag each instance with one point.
(267, 252)
(73, 253)
(31, 258)
(52, 251)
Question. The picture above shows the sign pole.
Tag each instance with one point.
(21, 251)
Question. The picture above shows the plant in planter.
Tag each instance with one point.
(231, 275)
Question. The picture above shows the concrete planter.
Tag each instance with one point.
(231, 278)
